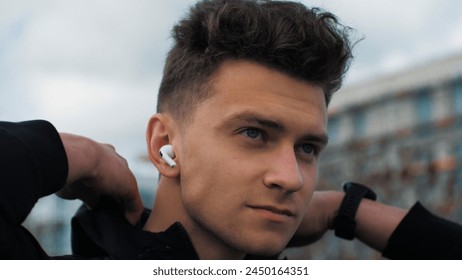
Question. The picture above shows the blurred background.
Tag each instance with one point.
(94, 67)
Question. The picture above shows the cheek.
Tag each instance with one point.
(216, 187)
(310, 176)
(202, 177)
(310, 181)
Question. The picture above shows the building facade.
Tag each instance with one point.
(402, 136)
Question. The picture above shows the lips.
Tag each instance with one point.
(274, 209)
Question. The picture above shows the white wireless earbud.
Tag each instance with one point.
(166, 152)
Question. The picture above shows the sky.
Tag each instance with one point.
(94, 67)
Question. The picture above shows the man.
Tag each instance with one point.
(243, 104)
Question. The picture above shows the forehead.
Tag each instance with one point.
(246, 86)
(235, 75)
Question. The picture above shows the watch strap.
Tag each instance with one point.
(345, 223)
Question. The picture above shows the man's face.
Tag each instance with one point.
(249, 158)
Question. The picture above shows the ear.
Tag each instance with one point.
(158, 134)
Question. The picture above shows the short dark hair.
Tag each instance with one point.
(305, 43)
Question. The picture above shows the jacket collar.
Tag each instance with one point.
(104, 232)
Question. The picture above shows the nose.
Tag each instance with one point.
(284, 171)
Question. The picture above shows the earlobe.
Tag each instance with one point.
(158, 138)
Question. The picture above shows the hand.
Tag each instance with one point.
(318, 217)
(95, 169)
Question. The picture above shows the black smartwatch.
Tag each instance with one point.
(345, 223)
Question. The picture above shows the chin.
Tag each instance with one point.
(265, 252)
(270, 248)
(263, 243)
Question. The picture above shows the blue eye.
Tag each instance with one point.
(308, 148)
(252, 133)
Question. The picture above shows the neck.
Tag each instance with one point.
(169, 208)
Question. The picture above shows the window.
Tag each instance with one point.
(424, 106)
(359, 123)
(458, 181)
(457, 96)
(333, 129)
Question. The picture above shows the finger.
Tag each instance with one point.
(114, 152)
(80, 190)
(109, 146)
(131, 199)
(133, 208)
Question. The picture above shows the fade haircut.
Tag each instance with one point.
(307, 44)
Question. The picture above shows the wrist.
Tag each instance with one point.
(82, 155)
(334, 203)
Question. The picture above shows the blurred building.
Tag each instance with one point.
(402, 136)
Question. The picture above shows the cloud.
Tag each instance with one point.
(106, 110)
(105, 40)
(399, 34)
(90, 67)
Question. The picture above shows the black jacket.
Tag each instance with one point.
(33, 164)
(104, 233)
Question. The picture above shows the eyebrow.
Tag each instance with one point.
(252, 117)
